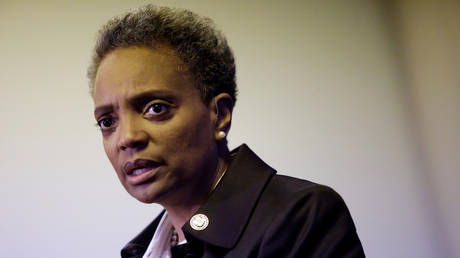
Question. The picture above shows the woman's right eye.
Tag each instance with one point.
(105, 123)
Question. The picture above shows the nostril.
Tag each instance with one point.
(135, 144)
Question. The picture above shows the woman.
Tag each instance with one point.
(163, 84)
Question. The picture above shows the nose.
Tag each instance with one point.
(131, 135)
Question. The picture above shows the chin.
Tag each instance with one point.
(146, 200)
(142, 194)
(145, 196)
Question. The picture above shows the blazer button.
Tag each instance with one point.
(199, 222)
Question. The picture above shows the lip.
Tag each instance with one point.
(140, 170)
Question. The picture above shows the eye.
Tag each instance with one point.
(105, 123)
(157, 109)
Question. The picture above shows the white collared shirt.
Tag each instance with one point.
(160, 245)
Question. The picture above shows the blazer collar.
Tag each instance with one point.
(232, 202)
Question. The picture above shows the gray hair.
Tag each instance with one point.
(200, 46)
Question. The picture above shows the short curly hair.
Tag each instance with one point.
(200, 46)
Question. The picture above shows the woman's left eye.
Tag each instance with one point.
(157, 109)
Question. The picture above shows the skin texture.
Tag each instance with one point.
(152, 117)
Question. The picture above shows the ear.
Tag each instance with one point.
(222, 106)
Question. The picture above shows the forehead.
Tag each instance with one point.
(132, 70)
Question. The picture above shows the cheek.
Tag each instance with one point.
(192, 133)
(174, 139)
(110, 152)
(112, 155)
(186, 136)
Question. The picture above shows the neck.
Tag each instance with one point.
(179, 214)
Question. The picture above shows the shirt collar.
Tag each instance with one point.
(137, 246)
(161, 240)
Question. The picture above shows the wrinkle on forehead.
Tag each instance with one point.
(149, 58)
(135, 66)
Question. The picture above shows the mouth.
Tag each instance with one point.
(140, 170)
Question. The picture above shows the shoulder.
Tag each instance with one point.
(307, 219)
(295, 186)
(287, 192)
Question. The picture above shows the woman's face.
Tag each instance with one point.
(157, 133)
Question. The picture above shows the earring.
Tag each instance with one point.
(221, 134)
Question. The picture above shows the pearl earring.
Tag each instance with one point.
(221, 134)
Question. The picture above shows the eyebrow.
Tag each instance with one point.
(147, 96)
(99, 111)
(138, 99)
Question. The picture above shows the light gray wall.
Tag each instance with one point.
(323, 96)
(429, 33)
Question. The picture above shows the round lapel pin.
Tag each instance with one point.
(199, 222)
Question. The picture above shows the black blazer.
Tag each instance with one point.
(254, 213)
